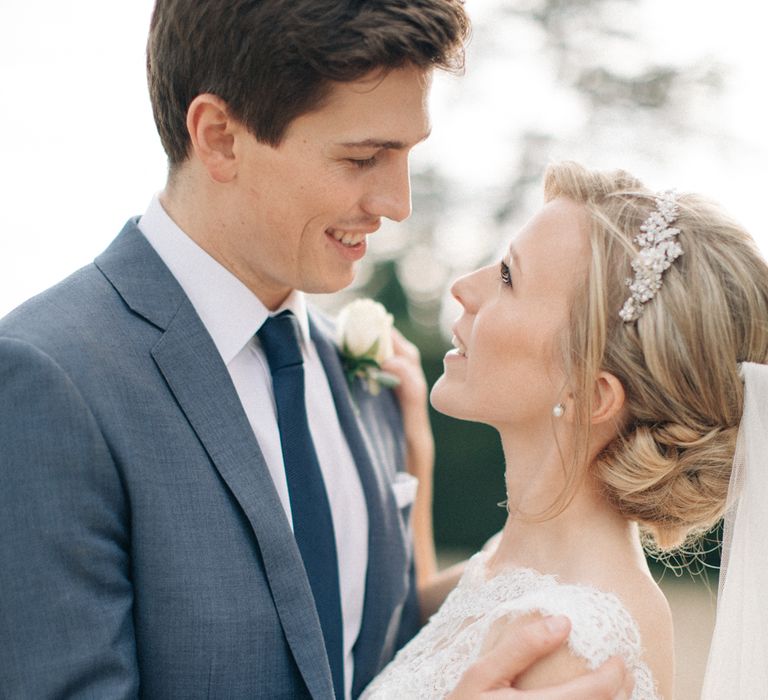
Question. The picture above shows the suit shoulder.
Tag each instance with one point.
(72, 310)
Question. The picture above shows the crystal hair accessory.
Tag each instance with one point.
(658, 250)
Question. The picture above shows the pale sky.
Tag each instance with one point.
(82, 154)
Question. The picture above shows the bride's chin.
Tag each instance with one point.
(444, 400)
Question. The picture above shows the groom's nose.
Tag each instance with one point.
(390, 191)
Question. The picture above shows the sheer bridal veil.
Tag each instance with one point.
(738, 657)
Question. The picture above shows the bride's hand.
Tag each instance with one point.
(493, 675)
(420, 454)
(405, 364)
(411, 393)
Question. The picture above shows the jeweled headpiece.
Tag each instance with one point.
(658, 250)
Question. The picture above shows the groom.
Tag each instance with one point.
(175, 521)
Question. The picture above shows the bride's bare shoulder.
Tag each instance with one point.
(640, 594)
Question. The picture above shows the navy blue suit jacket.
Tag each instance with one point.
(143, 547)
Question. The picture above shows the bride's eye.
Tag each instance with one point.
(504, 275)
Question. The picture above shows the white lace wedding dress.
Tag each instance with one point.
(432, 663)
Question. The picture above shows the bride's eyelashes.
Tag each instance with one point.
(504, 274)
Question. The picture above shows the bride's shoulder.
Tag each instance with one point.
(634, 588)
(617, 613)
(648, 606)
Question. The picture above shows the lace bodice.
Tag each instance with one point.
(432, 663)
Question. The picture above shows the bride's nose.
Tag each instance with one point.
(467, 290)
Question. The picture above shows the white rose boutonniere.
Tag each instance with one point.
(364, 337)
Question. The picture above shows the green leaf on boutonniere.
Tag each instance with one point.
(365, 368)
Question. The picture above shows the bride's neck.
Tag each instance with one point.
(539, 532)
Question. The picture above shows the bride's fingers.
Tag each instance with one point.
(405, 364)
(519, 648)
(404, 347)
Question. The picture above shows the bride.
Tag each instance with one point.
(605, 348)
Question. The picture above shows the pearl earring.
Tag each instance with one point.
(558, 411)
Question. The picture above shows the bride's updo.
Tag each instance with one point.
(670, 466)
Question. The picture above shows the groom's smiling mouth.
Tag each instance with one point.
(351, 242)
(347, 238)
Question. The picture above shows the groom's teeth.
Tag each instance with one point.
(346, 238)
(459, 346)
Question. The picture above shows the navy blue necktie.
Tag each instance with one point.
(312, 522)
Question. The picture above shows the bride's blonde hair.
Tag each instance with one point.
(670, 465)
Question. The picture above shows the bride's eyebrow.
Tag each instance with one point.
(513, 256)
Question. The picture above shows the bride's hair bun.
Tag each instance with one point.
(670, 477)
(670, 466)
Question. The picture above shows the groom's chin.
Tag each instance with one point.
(330, 284)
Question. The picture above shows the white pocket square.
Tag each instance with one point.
(404, 487)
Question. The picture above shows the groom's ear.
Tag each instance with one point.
(609, 399)
(212, 131)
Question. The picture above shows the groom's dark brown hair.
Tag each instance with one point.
(274, 60)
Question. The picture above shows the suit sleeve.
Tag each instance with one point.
(66, 627)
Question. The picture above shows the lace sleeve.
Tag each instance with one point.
(601, 627)
(431, 665)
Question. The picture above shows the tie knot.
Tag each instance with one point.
(279, 336)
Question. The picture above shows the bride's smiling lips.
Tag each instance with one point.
(459, 350)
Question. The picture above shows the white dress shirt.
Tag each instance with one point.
(232, 314)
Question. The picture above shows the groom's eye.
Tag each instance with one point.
(504, 275)
(363, 163)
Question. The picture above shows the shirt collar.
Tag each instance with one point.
(230, 312)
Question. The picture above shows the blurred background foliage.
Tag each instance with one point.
(545, 80)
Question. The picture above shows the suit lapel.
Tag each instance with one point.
(386, 578)
(187, 358)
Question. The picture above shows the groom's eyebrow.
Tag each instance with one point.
(381, 143)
